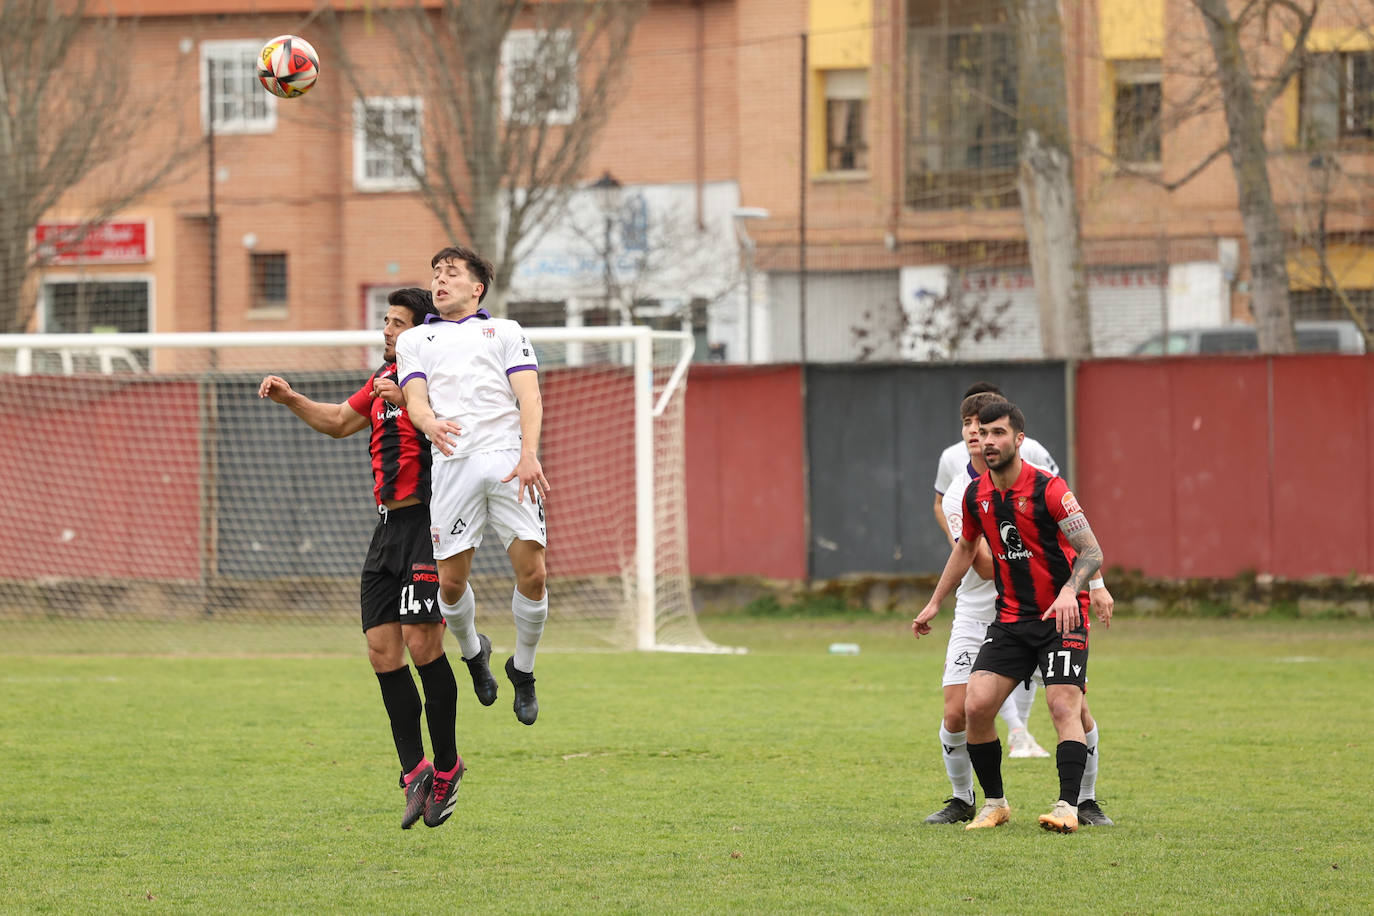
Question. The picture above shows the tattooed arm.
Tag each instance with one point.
(1080, 535)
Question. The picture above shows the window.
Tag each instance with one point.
(961, 105)
(846, 121)
(1139, 103)
(83, 305)
(269, 280)
(388, 143)
(229, 89)
(539, 77)
(1337, 97)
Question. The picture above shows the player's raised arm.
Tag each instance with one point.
(337, 420)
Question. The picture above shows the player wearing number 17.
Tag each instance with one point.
(471, 383)
(1044, 553)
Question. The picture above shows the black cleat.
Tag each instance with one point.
(444, 795)
(417, 794)
(479, 666)
(1090, 814)
(954, 811)
(526, 704)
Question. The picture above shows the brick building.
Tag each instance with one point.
(837, 166)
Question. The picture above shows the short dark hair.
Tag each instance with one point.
(973, 405)
(420, 302)
(999, 409)
(479, 268)
(980, 387)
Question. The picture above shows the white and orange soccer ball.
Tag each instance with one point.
(288, 66)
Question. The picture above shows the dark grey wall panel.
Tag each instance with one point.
(293, 503)
(874, 435)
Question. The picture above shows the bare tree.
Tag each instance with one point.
(1049, 200)
(1246, 98)
(70, 112)
(515, 95)
(940, 322)
(645, 254)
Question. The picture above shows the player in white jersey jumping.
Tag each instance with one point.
(974, 609)
(472, 387)
(954, 462)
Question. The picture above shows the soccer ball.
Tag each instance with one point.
(288, 66)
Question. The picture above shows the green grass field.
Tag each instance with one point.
(1235, 759)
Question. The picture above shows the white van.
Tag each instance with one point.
(1311, 337)
(74, 361)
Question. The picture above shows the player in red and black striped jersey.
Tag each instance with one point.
(400, 585)
(1044, 553)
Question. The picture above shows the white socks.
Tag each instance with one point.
(529, 626)
(1088, 788)
(954, 748)
(462, 621)
(1016, 709)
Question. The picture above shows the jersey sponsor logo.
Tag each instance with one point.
(390, 413)
(1070, 503)
(423, 577)
(1075, 644)
(1011, 540)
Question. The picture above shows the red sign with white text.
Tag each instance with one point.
(103, 243)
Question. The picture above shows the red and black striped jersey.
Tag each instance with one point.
(400, 452)
(1031, 556)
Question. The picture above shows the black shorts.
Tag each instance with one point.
(400, 583)
(1017, 649)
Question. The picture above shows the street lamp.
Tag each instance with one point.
(607, 191)
(741, 216)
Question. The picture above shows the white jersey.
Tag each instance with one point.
(467, 366)
(976, 598)
(955, 459)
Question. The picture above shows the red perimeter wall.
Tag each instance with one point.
(100, 479)
(1197, 467)
(746, 494)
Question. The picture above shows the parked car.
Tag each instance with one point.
(70, 361)
(1312, 337)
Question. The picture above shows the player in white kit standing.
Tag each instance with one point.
(471, 383)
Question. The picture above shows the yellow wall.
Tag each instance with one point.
(1131, 29)
(1352, 266)
(841, 39)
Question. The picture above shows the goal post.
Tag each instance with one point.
(153, 490)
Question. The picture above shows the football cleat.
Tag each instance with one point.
(1090, 814)
(526, 704)
(1063, 818)
(444, 795)
(418, 783)
(990, 815)
(1023, 744)
(954, 811)
(479, 666)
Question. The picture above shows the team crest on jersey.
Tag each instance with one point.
(489, 332)
(1022, 504)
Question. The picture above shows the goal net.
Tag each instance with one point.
(154, 503)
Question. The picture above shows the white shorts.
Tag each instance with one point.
(467, 493)
(965, 639)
